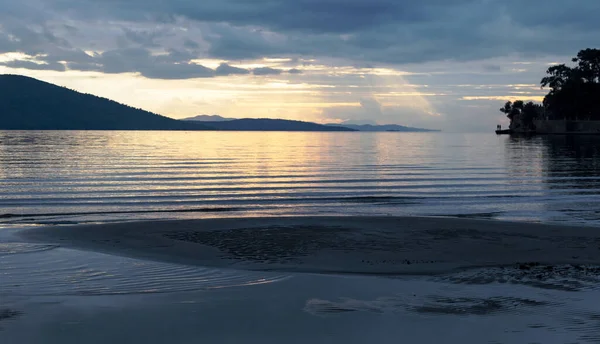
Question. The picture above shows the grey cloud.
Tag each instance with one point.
(6, 44)
(34, 66)
(334, 16)
(369, 32)
(124, 60)
(225, 69)
(190, 44)
(33, 42)
(178, 71)
(129, 60)
(71, 29)
(143, 38)
(171, 66)
(266, 71)
(492, 68)
(84, 67)
(69, 56)
(232, 43)
(30, 38)
(294, 71)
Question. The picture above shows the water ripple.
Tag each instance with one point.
(71, 272)
(81, 174)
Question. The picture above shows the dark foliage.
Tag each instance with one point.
(30, 104)
(574, 91)
(526, 112)
(574, 94)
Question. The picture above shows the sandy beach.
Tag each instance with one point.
(354, 245)
(301, 280)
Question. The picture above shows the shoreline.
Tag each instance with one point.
(335, 245)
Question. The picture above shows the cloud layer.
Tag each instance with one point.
(425, 63)
(131, 35)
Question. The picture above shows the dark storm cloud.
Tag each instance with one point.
(339, 16)
(232, 43)
(364, 31)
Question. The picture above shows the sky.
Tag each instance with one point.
(442, 64)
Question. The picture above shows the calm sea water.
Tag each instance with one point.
(73, 177)
(78, 176)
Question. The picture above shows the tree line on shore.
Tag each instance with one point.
(574, 93)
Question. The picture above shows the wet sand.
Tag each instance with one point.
(517, 283)
(353, 245)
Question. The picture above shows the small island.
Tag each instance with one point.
(572, 105)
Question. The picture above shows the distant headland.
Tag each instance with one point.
(30, 104)
(572, 105)
(224, 123)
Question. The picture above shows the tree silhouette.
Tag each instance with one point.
(522, 114)
(574, 91)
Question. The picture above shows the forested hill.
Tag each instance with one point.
(31, 104)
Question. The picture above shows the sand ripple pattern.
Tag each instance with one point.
(552, 277)
(432, 305)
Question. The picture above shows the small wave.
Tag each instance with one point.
(20, 248)
(379, 199)
(488, 215)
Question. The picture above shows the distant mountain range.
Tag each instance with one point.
(31, 104)
(268, 124)
(224, 123)
(208, 118)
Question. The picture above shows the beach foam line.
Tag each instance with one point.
(354, 245)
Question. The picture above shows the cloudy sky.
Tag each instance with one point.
(447, 64)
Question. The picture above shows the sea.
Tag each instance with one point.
(55, 294)
(81, 176)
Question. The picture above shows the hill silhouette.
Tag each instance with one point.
(207, 118)
(267, 124)
(30, 104)
(384, 127)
